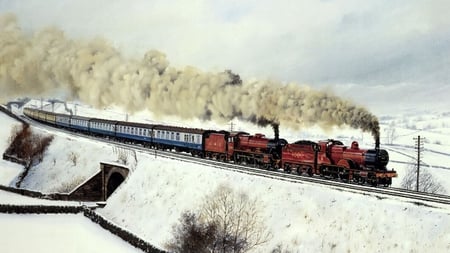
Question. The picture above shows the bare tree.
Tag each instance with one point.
(27, 145)
(426, 181)
(228, 222)
(391, 134)
(238, 218)
(191, 236)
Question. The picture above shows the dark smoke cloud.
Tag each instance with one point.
(96, 73)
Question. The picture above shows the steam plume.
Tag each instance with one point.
(94, 72)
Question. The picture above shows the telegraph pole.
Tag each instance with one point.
(419, 146)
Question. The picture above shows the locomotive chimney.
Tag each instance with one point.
(276, 131)
(377, 142)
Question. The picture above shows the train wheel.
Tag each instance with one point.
(287, 168)
(362, 181)
(310, 173)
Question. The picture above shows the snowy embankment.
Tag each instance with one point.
(50, 232)
(303, 217)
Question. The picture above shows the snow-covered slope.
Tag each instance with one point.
(303, 217)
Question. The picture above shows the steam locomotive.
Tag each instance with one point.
(328, 158)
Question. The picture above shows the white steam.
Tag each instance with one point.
(96, 73)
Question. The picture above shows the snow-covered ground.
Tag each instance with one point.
(57, 233)
(306, 218)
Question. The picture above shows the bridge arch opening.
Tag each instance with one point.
(113, 183)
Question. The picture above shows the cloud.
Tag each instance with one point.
(321, 43)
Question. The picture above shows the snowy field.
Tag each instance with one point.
(303, 217)
(57, 233)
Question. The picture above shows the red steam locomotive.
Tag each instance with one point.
(329, 158)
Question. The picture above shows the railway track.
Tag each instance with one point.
(294, 178)
(419, 198)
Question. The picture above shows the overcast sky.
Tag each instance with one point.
(324, 43)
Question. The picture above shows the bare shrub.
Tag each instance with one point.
(73, 157)
(69, 186)
(27, 145)
(41, 144)
(191, 236)
(15, 131)
(122, 155)
(426, 181)
(237, 221)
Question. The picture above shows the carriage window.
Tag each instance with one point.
(172, 136)
(178, 136)
(193, 139)
(198, 139)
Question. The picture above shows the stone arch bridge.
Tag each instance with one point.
(101, 185)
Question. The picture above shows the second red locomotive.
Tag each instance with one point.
(331, 158)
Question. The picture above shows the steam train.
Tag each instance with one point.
(328, 158)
